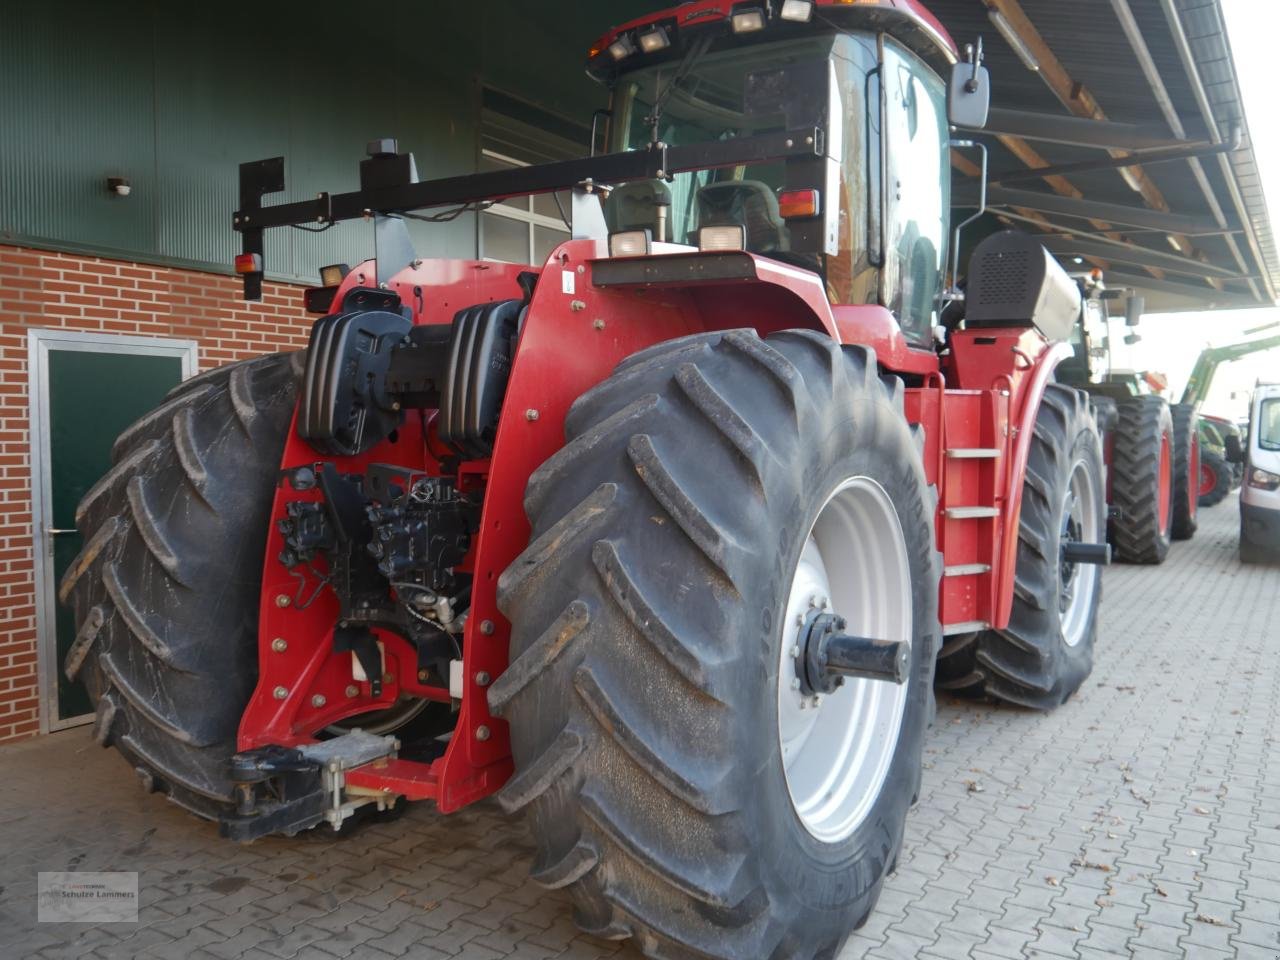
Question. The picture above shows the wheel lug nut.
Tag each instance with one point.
(795, 683)
(795, 652)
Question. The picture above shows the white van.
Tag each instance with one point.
(1260, 494)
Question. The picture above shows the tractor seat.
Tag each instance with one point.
(746, 202)
(634, 206)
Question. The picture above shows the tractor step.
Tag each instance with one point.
(966, 569)
(971, 513)
(968, 626)
(973, 453)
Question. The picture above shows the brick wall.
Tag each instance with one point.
(71, 292)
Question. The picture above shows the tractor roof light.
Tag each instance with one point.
(622, 48)
(651, 41)
(722, 238)
(747, 19)
(797, 11)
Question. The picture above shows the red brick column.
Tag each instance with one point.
(72, 292)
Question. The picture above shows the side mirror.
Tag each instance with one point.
(1134, 308)
(1234, 449)
(969, 92)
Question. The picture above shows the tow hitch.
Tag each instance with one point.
(287, 789)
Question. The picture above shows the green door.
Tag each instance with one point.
(92, 397)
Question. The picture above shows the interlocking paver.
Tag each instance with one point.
(1165, 768)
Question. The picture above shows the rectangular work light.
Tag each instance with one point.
(748, 19)
(797, 11)
(651, 41)
(629, 243)
(718, 239)
(622, 48)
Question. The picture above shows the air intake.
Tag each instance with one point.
(1014, 281)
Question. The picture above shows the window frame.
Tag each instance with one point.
(526, 215)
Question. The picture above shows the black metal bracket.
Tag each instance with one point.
(388, 184)
(257, 179)
(362, 642)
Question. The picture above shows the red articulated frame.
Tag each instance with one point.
(575, 333)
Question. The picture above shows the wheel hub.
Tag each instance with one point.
(825, 655)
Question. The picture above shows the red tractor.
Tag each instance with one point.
(659, 541)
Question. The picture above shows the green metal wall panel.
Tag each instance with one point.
(174, 96)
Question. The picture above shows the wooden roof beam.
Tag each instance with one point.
(1080, 102)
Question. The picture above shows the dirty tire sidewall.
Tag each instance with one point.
(166, 589)
(645, 738)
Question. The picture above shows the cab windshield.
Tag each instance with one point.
(705, 104)
(891, 232)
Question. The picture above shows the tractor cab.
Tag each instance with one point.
(864, 86)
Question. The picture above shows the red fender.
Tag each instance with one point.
(1025, 406)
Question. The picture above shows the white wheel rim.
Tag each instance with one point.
(836, 755)
(1077, 583)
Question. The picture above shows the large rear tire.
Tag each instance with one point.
(1215, 478)
(1047, 650)
(658, 741)
(166, 589)
(1142, 480)
(1186, 470)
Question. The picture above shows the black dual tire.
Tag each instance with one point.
(1186, 470)
(1223, 478)
(646, 617)
(1031, 663)
(1140, 529)
(166, 589)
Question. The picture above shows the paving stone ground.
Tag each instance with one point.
(1140, 819)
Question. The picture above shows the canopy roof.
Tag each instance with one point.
(1114, 78)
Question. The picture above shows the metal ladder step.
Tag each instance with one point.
(968, 626)
(971, 513)
(966, 569)
(973, 453)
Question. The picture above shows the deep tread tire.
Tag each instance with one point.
(646, 624)
(1186, 470)
(1030, 663)
(166, 588)
(1222, 471)
(1106, 414)
(1137, 531)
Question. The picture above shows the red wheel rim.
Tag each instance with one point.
(1166, 482)
(1208, 479)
